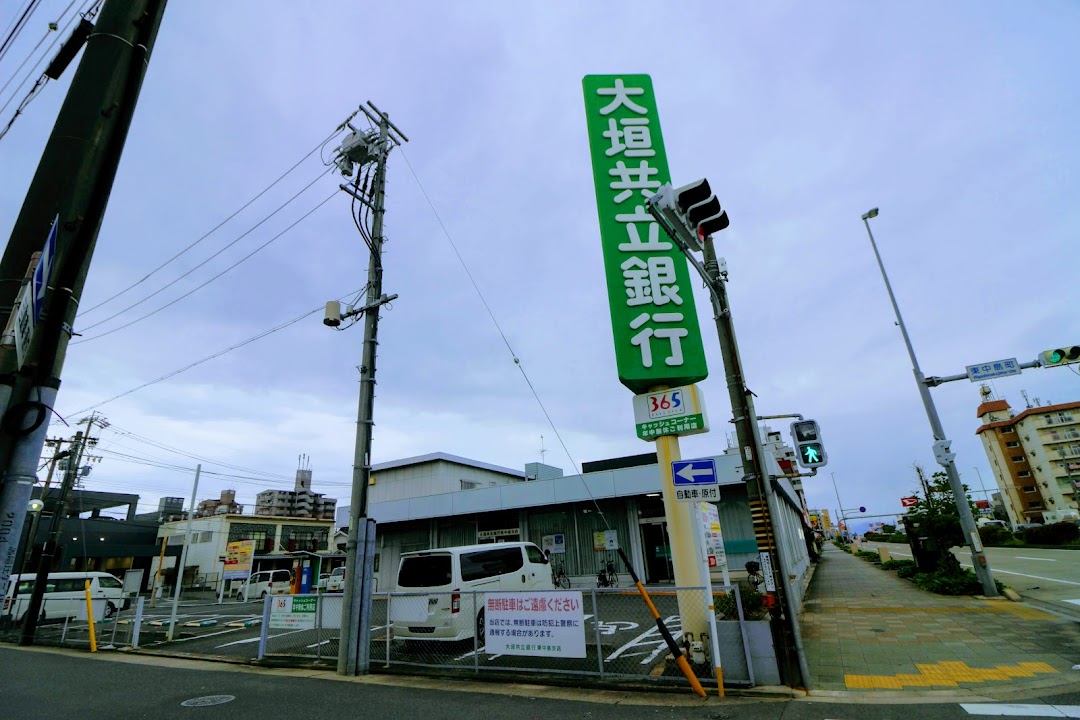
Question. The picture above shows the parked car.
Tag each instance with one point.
(336, 581)
(65, 594)
(263, 583)
(447, 573)
(322, 581)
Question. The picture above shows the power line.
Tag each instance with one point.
(215, 277)
(193, 456)
(491, 314)
(215, 229)
(190, 271)
(43, 79)
(20, 23)
(53, 27)
(218, 354)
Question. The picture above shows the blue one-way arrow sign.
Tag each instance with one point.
(694, 472)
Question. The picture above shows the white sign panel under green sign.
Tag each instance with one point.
(675, 411)
(294, 613)
(654, 321)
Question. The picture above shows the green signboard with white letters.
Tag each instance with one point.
(653, 318)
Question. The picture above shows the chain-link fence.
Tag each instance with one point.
(64, 622)
(603, 632)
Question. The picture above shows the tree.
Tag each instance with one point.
(937, 518)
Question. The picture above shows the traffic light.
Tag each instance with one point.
(688, 214)
(808, 444)
(1061, 356)
(700, 209)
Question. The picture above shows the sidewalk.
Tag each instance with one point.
(864, 629)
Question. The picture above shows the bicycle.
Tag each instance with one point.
(753, 574)
(607, 577)
(559, 578)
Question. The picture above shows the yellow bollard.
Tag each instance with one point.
(90, 618)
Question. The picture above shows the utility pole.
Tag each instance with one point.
(354, 649)
(941, 445)
(50, 549)
(183, 555)
(71, 187)
(27, 554)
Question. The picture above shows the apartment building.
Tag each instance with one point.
(1035, 456)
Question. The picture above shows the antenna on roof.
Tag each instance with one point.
(1026, 401)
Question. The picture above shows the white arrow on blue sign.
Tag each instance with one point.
(694, 472)
(43, 271)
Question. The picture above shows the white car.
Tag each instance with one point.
(336, 582)
(263, 583)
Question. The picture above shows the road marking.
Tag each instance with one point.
(1074, 602)
(255, 639)
(206, 635)
(1058, 711)
(1021, 557)
(1007, 572)
(945, 674)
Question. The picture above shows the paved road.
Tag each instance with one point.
(1048, 576)
(64, 685)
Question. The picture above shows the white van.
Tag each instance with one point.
(449, 615)
(65, 594)
(263, 583)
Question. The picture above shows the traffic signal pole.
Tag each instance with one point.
(763, 502)
(73, 181)
(945, 458)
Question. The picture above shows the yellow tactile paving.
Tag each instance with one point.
(945, 674)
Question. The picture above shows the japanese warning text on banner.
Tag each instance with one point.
(540, 624)
(653, 318)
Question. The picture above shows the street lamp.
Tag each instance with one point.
(941, 444)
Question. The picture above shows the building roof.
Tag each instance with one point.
(991, 406)
(445, 457)
(1028, 412)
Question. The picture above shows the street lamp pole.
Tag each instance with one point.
(839, 505)
(967, 521)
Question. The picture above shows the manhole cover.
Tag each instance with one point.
(207, 700)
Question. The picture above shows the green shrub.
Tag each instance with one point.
(752, 602)
(897, 538)
(898, 565)
(1061, 533)
(876, 537)
(907, 571)
(994, 535)
(949, 583)
(867, 555)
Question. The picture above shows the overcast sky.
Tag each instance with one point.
(958, 120)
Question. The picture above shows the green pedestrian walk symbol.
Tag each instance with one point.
(811, 453)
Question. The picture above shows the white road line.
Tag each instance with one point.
(1074, 602)
(1022, 710)
(256, 639)
(206, 635)
(1007, 572)
(1021, 557)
